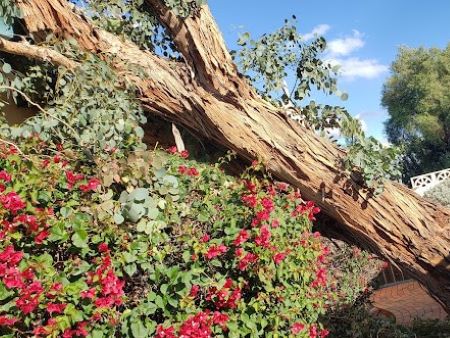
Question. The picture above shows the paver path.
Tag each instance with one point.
(406, 301)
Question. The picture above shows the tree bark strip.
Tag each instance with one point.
(208, 96)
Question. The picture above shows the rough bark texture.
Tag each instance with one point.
(208, 96)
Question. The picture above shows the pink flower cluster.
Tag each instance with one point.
(314, 332)
(225, 298)
(111, 287)
(197, 326)
(215, 250)
(34, 225)
(24, 282)
(12, 202)
(309, 209)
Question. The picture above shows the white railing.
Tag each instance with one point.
(422, 183)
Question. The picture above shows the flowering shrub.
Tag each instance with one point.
(154, 245)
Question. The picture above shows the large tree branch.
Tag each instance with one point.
(399, 224)
(199, 40)
(36, 52)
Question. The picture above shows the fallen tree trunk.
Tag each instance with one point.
(207, 95)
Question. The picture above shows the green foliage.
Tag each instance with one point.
(371, 164)
(416, 97)
(8, 11)
(269, 60)
(135, 20)
(184, 8)
(272, 56)
(440, 193)
(129, 18)
(89, 108)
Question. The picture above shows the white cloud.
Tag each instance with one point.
(347, 45)
(355, 67)
(363, 123)
(317, 31)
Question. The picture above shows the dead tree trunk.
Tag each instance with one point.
(207, 95)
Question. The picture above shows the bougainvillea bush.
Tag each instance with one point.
(153, 245)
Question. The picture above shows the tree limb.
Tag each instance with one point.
(199, 40)
(36, 52)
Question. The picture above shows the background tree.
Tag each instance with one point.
(417, 97)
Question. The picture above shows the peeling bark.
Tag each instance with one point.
(208, 96)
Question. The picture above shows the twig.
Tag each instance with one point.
(30, 101)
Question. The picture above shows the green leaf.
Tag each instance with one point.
(130, 269)
(80, 238)
(7, 68)
(138, 330)
(118, 218)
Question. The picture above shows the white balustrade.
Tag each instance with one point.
(422, 183)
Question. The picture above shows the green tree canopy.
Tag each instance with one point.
(417, 97)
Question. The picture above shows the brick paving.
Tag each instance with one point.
(406, 301)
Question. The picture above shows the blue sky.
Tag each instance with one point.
(363, 36)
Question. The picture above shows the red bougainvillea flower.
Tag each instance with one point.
(10, 256)
(296, 328)
(12, 202)
(261, 216)
(264, 237)
(324, 333)
(89, 294)
(29, 298)
(275, 223)
(194, 291)
(321, 278)
(55, 308)
(242, 237)
(4, 176)
(162, 332)
(279, 257)
(39, 239)
(184, 154)
(73, 178)
(13, 279)
(215, 250)
(193, 172)
(29, 220)
(40, 331)
(249, 200)
(248, 259)
(8, 321)
(282, 186)
(313, 332)
(267, 204)
(172, 150)
(250, 186)
(205, 238)
(220, 319)
(228, 283)
(197, 326)
(103, 247)
(91, 185)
